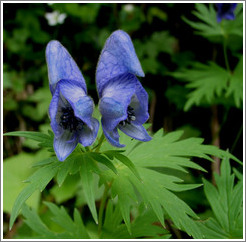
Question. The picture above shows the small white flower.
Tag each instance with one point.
(55, 18)
(128, 8)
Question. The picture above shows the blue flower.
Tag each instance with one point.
(225, 11)
(71, 108)
(123, 101)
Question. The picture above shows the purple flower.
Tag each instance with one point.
(71, 108)
(123, 101)
(225, 11)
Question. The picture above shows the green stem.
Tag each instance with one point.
(237, 138)
(100, 142)
(225, 55)
(101, 208)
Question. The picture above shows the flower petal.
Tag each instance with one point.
(139, 103)
(88, 135)
(81, 103)
(61, 65)
(55, 105)
(64, 145)
(112, 112)
(135, 131)
(117, 57)
(121, 89)
(117, 96)
(112, 136)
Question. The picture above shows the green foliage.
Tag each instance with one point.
(211, 82)
(149, 50)
(15, 170)
(135, 180)
(142, 226)
(215, 32)
(71, 229)
(226, 202)
(131, 192)
(235, 87)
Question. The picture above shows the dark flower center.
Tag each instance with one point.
(69, 121)
(130, 116)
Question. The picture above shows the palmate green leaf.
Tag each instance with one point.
(37, 181)
(226, 202)
(209, 28)
(207, 81)
(71, 229)
(142, 226)
(156, 189)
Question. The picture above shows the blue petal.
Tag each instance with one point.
(88, 135)
(111, 136)
(117, 96)
(139, 103)
(229, 16)
(61, 65)
(135, 131)
(121, 88)
(81, 103)
(112, 112)
(64, 145)
(117, 57)
(56, 104)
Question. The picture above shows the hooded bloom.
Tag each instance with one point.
(123, 101)
(226, 11)
(71, 108)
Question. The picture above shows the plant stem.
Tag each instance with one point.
(101, 208)
(215, 127)
(237, 138)
(100, 142)
(225, 55)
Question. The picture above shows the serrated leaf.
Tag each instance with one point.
(126, 197)
(43, 139)
(67, 190)
(156, 189)
(235, 87)
(226, 202)
(88, 184)
(142, 225)
(102, 159)
(208, 27)
(45, 162)
(126, 161)
(15, 170)
(113, 217)
(20, 200)
(37, 136)
(61, 217)
(207, 81)
(38, 181)
(35, 223)
(71, 229)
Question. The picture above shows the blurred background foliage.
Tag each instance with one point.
(167, 47)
